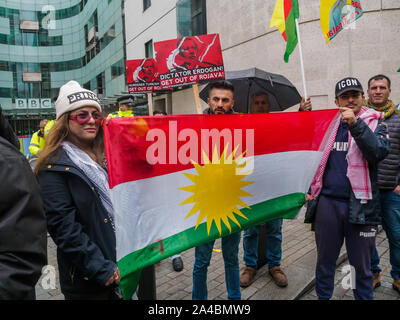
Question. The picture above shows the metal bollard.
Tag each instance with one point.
(262, 246)
(147, 284)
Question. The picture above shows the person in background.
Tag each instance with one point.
(74, 183)
(388, 177)
(125, 105)
(37, 142)
(260, 104)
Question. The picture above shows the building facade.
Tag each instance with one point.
(370, 47)
(44, 44)
(151, 21)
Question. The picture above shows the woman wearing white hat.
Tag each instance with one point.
(74, 183)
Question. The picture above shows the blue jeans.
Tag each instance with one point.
(230, 249)
(375, 261)
(391, 224)
(274, 244)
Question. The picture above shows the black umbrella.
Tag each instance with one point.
(281, 92)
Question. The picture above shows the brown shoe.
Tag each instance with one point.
(247, 276)
(396, 285)
(377, 280)
(278, 276)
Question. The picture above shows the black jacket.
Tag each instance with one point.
(389, 168)
(6, 132)
(23, 234)
(79, 225)
(374, 147)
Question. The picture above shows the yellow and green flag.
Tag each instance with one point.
(179, 181)
(337, 15)
(284, 18)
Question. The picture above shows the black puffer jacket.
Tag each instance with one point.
(23, 236)
(6, 131)
(389, 168)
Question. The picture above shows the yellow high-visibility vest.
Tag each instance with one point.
(119, 113)
(37, 143)
(50, 124)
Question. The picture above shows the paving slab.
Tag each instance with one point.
(297, 277)
(298, 262)
(384, 292)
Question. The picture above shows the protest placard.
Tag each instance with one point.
(189, 60)
(142, 76)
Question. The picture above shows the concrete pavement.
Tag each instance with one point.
(384, 292)
(298, 262)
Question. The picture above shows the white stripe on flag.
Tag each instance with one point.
(148, 210)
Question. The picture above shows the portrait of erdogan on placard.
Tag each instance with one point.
(142, 75)
(189, 60)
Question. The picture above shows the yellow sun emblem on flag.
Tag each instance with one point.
(217, 189)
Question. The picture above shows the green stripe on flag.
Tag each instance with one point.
(130, 266)
(291, 31)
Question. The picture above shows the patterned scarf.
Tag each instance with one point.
(96, 174)
(357, 170)
(388, 110)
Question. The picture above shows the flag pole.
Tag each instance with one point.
(150, 102)
(350, 53)
(301, 61)
(197, 98)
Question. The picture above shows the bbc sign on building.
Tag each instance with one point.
(33, 103)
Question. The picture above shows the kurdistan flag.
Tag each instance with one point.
(338, 14)
(176, 182)
(284, 18)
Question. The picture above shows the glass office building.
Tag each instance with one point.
(44, 44)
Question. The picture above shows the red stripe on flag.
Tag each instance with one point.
(288, 7)
(128, 140)
(284, 36)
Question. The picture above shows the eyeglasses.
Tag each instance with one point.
(84, 117)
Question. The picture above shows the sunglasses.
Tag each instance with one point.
(84, 117)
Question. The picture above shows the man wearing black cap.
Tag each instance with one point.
(125, 104)
(346, 191)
